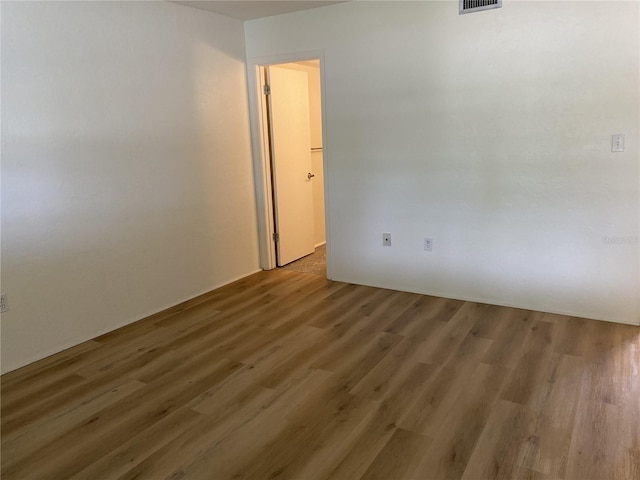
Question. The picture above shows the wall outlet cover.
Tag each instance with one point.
(428, 244)
(617, 143)
(4, 305)
(386, 239)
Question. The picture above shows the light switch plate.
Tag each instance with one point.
(617, 143)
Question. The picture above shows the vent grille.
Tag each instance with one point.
(468, 6)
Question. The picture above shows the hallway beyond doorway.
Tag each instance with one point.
(316, 263)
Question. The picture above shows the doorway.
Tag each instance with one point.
(292, 125)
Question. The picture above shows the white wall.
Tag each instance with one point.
(490, 133)
(318, 198)
(126, 167)
(315, 110)
(315, 113)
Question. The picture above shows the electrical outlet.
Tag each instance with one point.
(386, 239)
(617, 143)
(4, 306)
(428, 244)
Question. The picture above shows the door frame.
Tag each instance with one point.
(262, 156)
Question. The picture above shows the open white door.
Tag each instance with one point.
(291, 153)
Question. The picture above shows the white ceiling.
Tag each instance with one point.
(248, 10)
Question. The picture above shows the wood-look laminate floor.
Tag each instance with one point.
(285, 375)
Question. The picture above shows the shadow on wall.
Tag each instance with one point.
(126, 167)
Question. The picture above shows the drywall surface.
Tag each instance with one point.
(315, 110)
(318, 198)
(127, 182)
(488, 132)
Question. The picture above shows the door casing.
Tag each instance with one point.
(262, 158)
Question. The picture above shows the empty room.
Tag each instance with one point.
(317, 240)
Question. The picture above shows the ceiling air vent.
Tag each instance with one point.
(468, 6)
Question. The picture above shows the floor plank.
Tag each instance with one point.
(287, 375)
